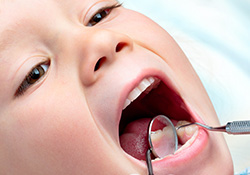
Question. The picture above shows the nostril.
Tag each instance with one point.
(99, 63)
(120, 46)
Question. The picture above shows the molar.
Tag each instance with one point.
(186, 135)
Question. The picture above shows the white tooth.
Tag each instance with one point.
(134, 94)
(182, 122)
(190, 130)
(159, 134)
(127, 102)
(189, 142)
(186, 135)
(156, 83)
(144, 85)
(151, 80)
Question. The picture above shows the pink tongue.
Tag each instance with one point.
(134, 138)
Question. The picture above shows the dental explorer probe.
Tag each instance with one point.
(235, 127)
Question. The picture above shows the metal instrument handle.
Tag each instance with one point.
(149, 162)
(238, 127)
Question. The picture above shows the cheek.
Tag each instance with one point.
(52, 134)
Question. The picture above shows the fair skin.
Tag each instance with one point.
(67, 122)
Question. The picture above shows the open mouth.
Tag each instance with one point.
(152, 97)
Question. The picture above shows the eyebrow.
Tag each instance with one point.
(7, 31)
(13, 27)
(8, 35)
(5, 40)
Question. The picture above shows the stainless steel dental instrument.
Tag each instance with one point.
(235, 127)
(149, 162)
(163, 140)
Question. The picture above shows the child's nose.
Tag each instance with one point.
(102, 48)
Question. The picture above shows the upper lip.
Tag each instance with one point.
(189, 153)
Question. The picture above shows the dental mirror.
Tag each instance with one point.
(162, 137)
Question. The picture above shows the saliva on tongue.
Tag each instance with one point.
(134, 139)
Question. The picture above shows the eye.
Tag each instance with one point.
(32, 77)
(101, 14)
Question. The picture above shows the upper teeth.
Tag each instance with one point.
(146, 85)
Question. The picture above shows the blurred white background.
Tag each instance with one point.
(215, 35)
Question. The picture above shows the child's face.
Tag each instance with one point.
(63, 118)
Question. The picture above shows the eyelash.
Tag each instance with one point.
(102, 13)
(29, 80)
(32, 77)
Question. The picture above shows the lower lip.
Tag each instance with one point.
(185, 157)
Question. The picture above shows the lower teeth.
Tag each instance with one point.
(186, 135)
(161, 138)
(157, 135)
